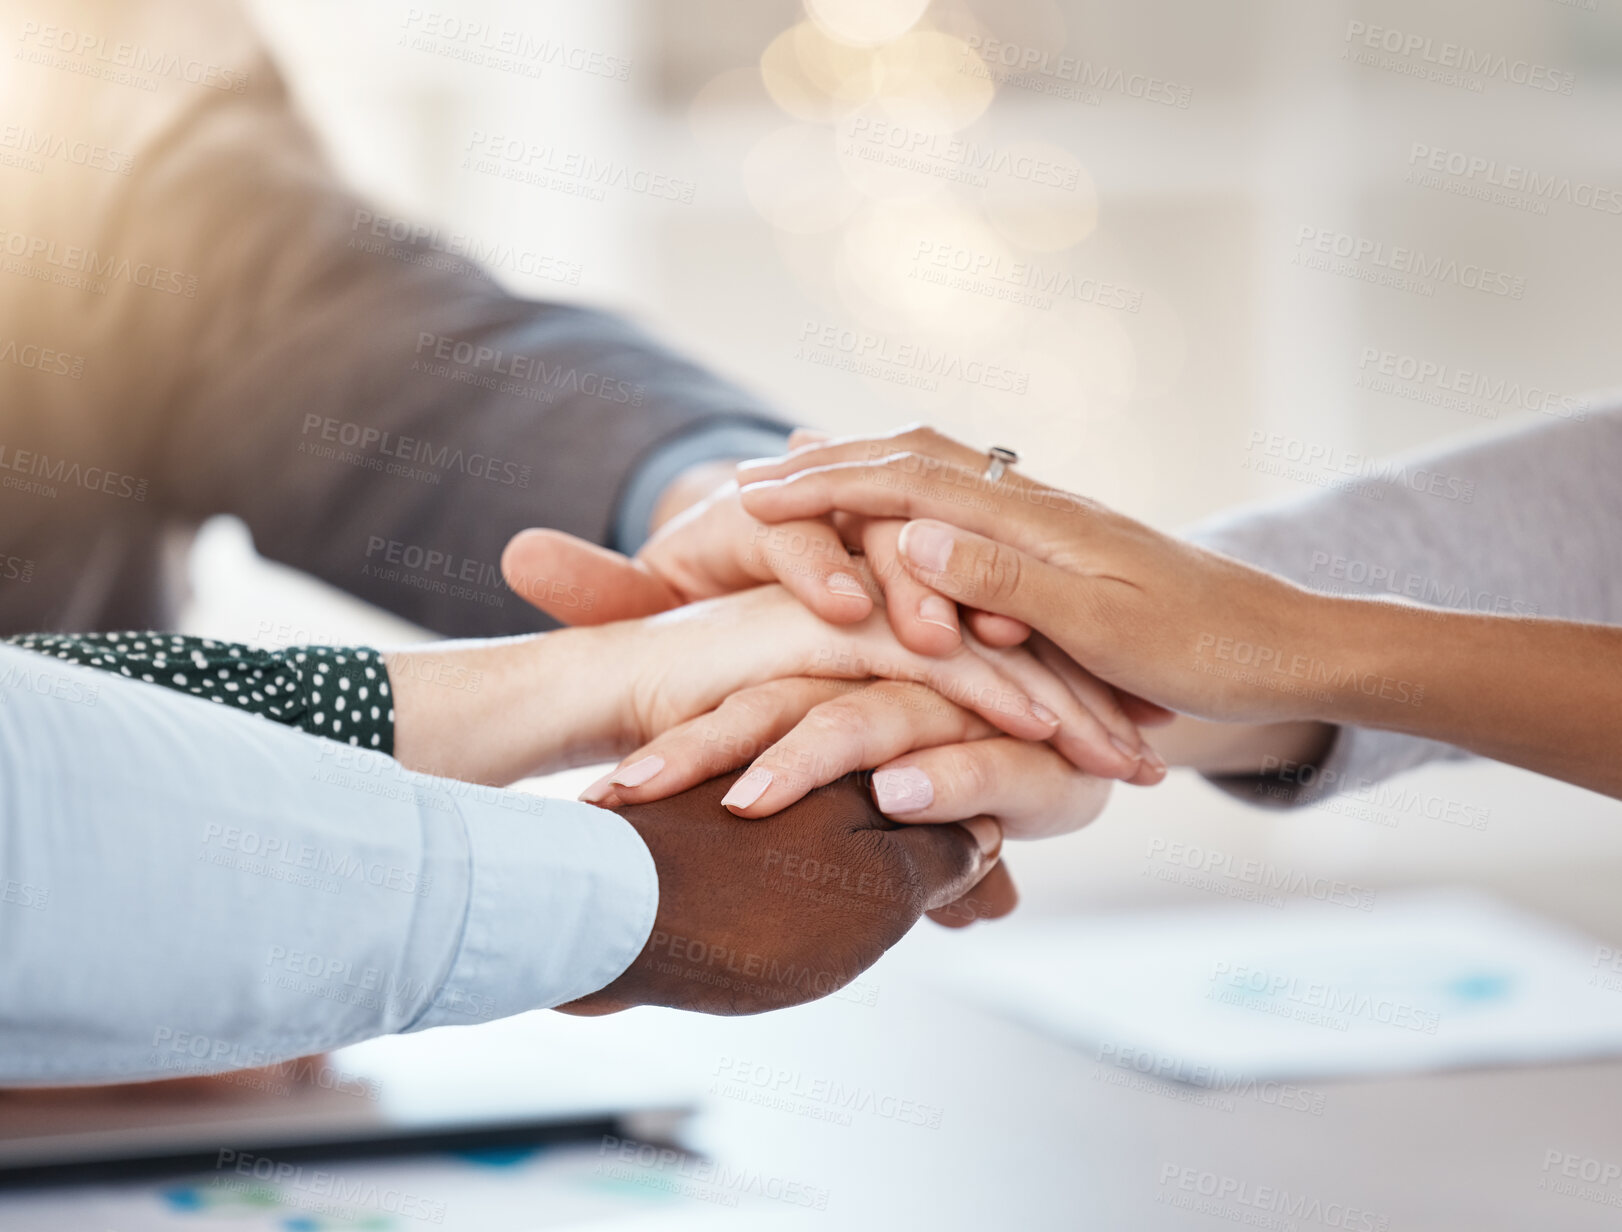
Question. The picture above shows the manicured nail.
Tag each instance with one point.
(928, 545)
(937, 611)
(1155, 760)
(639, 772)
(1043, 714)
(987, 834)
(595, 793)
(846, 584)
(1125, 749)
(755, 465)
(905, 789)
(748, 789)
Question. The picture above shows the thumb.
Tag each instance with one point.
(950, 859)
(579, 583)
(988, 575)
(995, 897)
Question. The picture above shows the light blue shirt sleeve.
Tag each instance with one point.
(185, 889)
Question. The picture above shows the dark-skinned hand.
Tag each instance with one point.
(757, 916)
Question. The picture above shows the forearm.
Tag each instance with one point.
(381, 412)
(1516, 528)
(488, 712)
(495, 711)
(1542, 694)
(1240, 748)
(505, 709)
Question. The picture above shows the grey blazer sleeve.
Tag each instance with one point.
(1525, 522)
(380, 412)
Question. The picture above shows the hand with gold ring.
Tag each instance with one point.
(713, 547)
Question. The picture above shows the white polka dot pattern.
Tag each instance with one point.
(285, 686)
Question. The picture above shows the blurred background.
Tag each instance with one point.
(1087, 244)
(1155, 246)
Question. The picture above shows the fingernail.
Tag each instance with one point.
(1043, 714)
(639, 772)
(987, 834)
(927, 545)
(758, 464)
(748, 789)
(595, 793)
(1154, 759)
(905, 789)
(846, 584)
(937, 611)
(1125, 749)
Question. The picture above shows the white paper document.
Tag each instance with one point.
(1418, 981)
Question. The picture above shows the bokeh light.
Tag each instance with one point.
(923, 264)
(793, 180)
(866, 23)
(1045, 200)
(938, 73)
(816, 78)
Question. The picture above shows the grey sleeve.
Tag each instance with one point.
(1525, 522)
(380, 412)
(714, 444)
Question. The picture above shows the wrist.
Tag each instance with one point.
(688, 488)
(1277, 658)
(680, 664)
(1241, 748)
(505, 709)
(1375, 679)
(582, 685)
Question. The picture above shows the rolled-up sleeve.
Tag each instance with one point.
(187, 890)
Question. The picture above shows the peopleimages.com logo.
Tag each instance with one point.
(1396, 265)
(1513, 178)
(1450, 63)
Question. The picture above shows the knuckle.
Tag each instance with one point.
(818, 749)
(896, 866)
(926, 708)
(923, 437)
(1101, 607)
(752, 714)
(833, 720)
(958, 860)
(714, 747)
(845, 720)
(880, 535)
(969, 778)
(995, 573)
(751, 708)
(974, 777)
(896, 694)
(1085, 799)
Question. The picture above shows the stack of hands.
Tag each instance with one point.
(836, 683)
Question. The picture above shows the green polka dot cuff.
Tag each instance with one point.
(340, 692)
